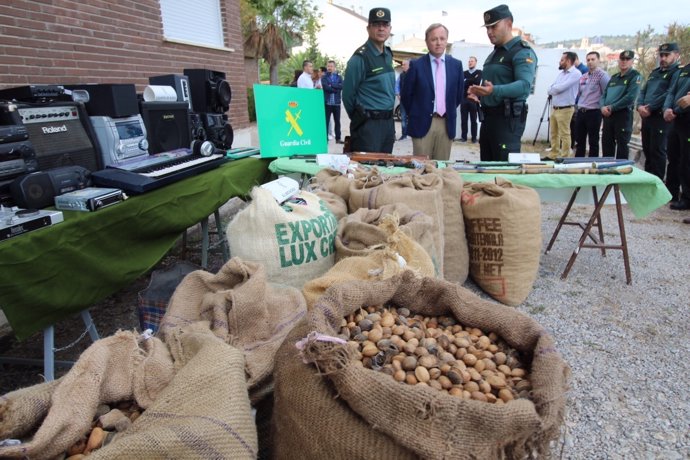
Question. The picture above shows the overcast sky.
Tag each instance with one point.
(546, 20)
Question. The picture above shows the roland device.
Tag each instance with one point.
(120, 138)
(17, 155)
(15, 221)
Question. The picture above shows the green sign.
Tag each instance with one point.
(291, 121)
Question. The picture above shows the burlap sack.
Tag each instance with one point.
(374, 191)
(503, 223)
(370, 415)
(118, 368)
(332, 181)
(203, 413)
(359, 233)
(243, 309)
(335, 203)
(21, 411)
(397, 253)
(294, 242)
(456, 260)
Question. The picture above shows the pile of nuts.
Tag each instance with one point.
(438, 352)
(109, 420)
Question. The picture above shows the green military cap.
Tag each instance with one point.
(627, 54)
(379, 15)
(668, 47)
(495, 14)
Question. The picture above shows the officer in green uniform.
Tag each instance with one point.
(650, 107)
(508, 75)
(369, 89)
(617, 104)
(677, 111)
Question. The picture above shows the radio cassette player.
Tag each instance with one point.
(120, 138)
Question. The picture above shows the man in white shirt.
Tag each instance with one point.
(305, 80)
(563, 93)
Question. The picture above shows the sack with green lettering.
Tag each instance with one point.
(503, 224)
(294, 242)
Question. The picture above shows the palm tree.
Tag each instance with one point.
(272, 27)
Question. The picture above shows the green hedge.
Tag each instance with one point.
(250, 105)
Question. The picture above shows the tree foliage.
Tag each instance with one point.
(272, 27)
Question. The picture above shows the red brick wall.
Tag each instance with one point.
(110, 41)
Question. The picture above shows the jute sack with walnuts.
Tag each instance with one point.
(121, 367)
(203, 413)
(371, 414)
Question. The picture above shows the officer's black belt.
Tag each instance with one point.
(562, 107)
(492, 110)
(379, 114)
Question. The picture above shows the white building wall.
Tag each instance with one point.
(340, 35)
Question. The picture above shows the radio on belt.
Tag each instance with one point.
(89, 199)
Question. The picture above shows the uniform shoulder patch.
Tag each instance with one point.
(524, 44)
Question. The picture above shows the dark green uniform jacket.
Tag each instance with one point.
(622, 91)
(653, 93)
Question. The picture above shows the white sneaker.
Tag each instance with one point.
(548, 150)
(330, 137)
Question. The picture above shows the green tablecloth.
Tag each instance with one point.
(644, 192)
(51, 273)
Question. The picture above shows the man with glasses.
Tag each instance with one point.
(617, 107)
(508, 74)
(369, 89)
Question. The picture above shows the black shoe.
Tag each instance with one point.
(402, 138)
(680, 205)
(474, 141)
(463, 140)
(338, 141)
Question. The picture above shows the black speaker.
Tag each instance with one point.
(209, 90)
(167, 125)
(218, 130)
(110, 100)
(180, 83)
(196, 126)
(61, 135)
(38, 190)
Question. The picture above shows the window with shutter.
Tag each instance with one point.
(195, 23)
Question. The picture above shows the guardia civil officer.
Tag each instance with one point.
(369, 89)
(650, 107)
(508, 75)
(617, 105)
(677, 111)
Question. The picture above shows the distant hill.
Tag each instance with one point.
(612, 41)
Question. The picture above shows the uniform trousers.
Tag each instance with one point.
(435, 143)
(372, 135)
(616, 134)
(587, 126)
(678, 169)
(654, 134)
(560, 131)
(499, 135)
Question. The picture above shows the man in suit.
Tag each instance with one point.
(432, 92)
